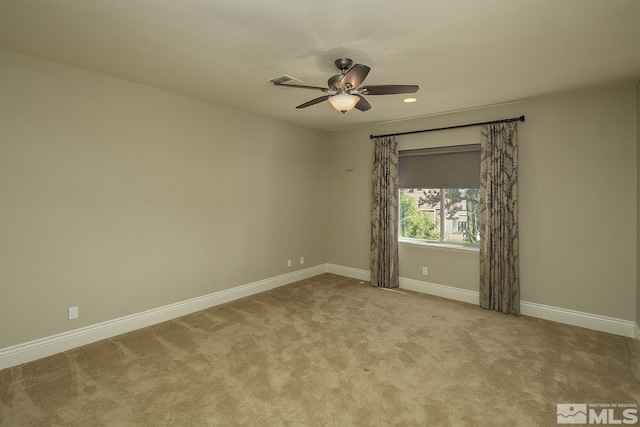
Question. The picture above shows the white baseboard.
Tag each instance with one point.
(411, 285)
(443, 291)
(595, 322)
(33, 350)
(578, 318)
(26, 352)
(354, 273)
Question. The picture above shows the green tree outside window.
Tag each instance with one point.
(415, 223)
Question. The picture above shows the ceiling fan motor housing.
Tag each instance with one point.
(334, 82)
(343, 64)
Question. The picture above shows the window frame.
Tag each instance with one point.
(428, 174)
(442, 225)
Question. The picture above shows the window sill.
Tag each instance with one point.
(449, 246)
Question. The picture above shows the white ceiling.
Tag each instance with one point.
(462, 53)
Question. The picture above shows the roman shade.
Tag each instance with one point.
(442, 167)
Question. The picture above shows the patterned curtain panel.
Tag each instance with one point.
(499, 270)
(384, 214)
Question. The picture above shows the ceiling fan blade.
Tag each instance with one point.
(388, 89)
(363, 104)
(323, 89)
(355, 76)
(314, 101)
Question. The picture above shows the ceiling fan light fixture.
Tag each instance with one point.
(344, 102)
(341, 86)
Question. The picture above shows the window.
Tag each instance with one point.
(425, 214)
(440, 195)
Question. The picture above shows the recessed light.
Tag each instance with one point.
(410, 100)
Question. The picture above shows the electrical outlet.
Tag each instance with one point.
(73, 312)
(424, 271)
(301, 260)
(288, 263)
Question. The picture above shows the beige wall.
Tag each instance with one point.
(120, 198)
(638, 211)
(577, 183)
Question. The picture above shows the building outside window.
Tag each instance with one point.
(440, 195)
(425, 214)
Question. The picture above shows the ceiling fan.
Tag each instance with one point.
(344, 90)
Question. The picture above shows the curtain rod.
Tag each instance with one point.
(513, 119)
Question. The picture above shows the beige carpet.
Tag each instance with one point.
(327, 351)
